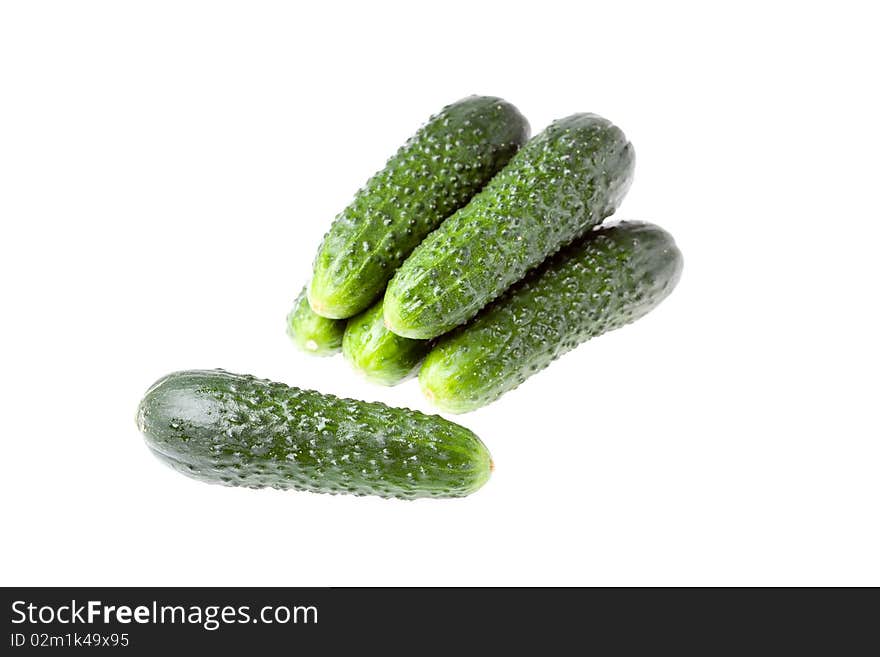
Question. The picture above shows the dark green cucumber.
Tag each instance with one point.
(237, 430)
(603, 281)
(311, 332)
(382, 356)
(562, 183)
(436, 172)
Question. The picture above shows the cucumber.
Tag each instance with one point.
(603, 281)
(436, 172)
(562, 183)
(311, 332)
(237, 430)
(382, 356)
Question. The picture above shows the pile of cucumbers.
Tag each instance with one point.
(475, 257)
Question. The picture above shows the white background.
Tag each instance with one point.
(167, 170)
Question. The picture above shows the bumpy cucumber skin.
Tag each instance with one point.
(559, 185)
(603, 281)
(380, 355)
(237, 430)
(436, 172)
(312, 333)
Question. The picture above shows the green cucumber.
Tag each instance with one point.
(436, 172)
(559, 185)
(311, 332)
(237, 430)
(382, 356)
(603, 281)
